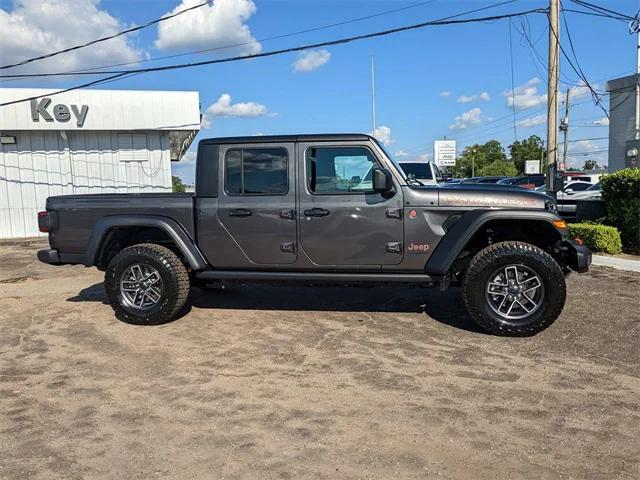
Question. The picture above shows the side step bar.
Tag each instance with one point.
(325, 277)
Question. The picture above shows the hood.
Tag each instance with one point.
(491, 196)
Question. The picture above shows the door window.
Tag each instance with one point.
(256, 171)
(340, 170)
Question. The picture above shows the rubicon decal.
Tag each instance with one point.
(417, 248)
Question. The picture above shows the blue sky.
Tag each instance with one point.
(437, 81)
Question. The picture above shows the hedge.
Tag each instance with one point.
(621, 195)
(599, 238)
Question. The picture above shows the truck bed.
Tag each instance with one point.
(77, 214)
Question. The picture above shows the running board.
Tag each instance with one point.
(325, 277)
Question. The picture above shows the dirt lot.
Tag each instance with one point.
(262, 382)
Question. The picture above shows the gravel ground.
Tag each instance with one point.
(265, 382)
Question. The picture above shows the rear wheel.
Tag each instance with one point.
(514, 288)
(146, 284)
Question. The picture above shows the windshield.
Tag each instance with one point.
(418, 170)
(391, 159)
(594, 187)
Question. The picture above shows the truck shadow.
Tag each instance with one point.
(444, 307)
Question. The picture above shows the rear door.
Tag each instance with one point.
(343, 222)
(257, 204)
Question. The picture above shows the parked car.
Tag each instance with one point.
(526, 181)
(297, 209)
(567, 200)
(426, 173)
(482, 180)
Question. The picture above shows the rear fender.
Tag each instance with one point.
(177, 234)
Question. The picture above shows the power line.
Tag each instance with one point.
(92, 71)
(109, 37)
(341, 41)
(602, 10)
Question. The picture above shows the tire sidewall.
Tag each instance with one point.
(124, 312)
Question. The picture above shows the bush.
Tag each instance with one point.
(621, 195)
(599, 238)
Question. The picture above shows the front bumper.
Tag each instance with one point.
(578, 257)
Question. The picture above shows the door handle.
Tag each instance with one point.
(240, 212)
(317, 212)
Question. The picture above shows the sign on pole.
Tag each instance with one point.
(445, 152)
(531, 166)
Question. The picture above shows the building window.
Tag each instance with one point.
(132, 147)
(340, 170)
(256, 171)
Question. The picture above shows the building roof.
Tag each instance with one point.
(623, 82)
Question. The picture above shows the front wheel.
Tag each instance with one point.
(514, 288)
(146, 284)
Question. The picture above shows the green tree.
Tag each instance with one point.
(178, 186)
(476, 157)
(590, 164)
(529, 149)
(498, 168)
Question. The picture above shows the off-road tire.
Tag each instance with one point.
(499, 255)
(175, 283)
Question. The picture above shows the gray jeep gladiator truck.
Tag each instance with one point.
(320, 209)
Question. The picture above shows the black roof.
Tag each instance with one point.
(290, 138)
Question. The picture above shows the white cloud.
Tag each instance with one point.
(383, 135)
(311, 60)
(401, 154)
(471, 98)
(36, 27)
(586, 150)
(604, 121)
(532, 121)
(185, 168)
(526, 96)
(213, 26)
(224, 108)
(445, 94)
(472, 117)
(426, 157)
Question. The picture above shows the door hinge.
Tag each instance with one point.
(393, 212)
(394, 247)
(288, 247)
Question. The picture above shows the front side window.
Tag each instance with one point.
(340, 170)
(256, 171)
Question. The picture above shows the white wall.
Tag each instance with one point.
(46, 163)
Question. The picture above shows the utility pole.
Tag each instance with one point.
(636, 29)
(564, 127)
(552, 96)
(373, 94)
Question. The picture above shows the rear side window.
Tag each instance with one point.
(256, 171)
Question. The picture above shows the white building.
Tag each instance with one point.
(87, 141)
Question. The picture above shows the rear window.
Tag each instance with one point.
(417, 170)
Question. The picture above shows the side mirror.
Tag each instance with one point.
(382, 181)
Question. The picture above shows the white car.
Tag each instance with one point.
(574, 191)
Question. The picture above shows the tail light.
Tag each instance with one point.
(43, 222)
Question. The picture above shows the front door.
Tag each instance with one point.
(257, 204)
(343, 222)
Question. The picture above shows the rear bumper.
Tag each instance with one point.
(578, 256)
(53, 257)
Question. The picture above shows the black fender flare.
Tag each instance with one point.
(172, 228)
(453, 242)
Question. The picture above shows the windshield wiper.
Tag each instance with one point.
(415, 180)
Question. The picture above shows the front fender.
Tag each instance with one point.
(172, 228)
(463, 230)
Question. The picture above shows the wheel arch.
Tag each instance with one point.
(133, 229)
(478, 228)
